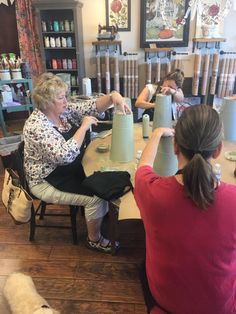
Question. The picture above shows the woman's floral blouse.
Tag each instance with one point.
(45, 147)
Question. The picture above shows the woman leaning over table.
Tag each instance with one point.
(190, 221)
(54, 137)
(172, 85)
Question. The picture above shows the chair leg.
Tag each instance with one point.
(113, 219)
(73, 214)
(43, 209)
(32, 224)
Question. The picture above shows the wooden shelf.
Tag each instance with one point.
(99, 43)
(207, 42)
(158, 51)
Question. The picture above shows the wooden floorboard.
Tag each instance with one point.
(74, 279)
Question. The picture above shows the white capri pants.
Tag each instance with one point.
(94, 207)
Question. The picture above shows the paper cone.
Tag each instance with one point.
(162, 112)
(165, 163)
(228, 114)
(122, 141)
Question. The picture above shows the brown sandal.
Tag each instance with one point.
(97, 245)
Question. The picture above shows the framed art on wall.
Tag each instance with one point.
(163, 23)
(118, 13)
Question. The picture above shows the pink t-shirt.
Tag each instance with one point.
(190, 254)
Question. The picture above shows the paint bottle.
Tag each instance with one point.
(145, 126)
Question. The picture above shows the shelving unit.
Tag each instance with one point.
(22, 107)
(59, 55)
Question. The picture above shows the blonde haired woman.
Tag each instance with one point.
(54, 137)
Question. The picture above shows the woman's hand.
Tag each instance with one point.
(88, 121)
(165, 90)
(165, 132)
(119, 101)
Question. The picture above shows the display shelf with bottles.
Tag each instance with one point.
(23, 102)
(61, 39)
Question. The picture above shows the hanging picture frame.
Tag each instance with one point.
(161, 23)
(118, 13)
(208, 23)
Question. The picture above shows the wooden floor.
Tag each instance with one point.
(73, 278)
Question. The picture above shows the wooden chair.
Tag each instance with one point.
(40, 210)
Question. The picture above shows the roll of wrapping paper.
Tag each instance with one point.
(205, 74)
(215, 68)
(230, 81)
(221, 77)
(228, 114)
(107, 70)
(165, 162)
(196, 74)
(136, 77)
(168, 66)
(125, 65)
(99, 75)
(158, 70)
(116, 72)
(132, 77)
(149, 71)
(225, 76)
(129, 77)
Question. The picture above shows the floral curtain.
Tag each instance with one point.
(28, 37)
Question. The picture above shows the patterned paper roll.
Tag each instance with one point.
(158, 70)
(145, 125)
(230, 79)
(162, 112)
(225, 78)
(221, 78)
(149, 71)
(125, 65)
(99, 75)
(136, 78)
(205, 74)
(129, 77)
(116, 72)
(228, 114)
(196, 74)
(165, 163)
(215, 67)
(122, 141)
(132, 77)
(107, 70)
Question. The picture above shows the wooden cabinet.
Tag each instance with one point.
(24, 105)
(61, 39)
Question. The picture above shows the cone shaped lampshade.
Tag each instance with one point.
(122, 141)
(165, 163)
(228, 114)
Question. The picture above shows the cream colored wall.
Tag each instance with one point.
(93, 13)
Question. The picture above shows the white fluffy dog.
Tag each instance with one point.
(22, 296)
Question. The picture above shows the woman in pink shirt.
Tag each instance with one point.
(190, 221)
